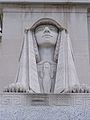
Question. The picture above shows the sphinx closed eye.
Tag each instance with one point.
(50, 27)
(41, 28)
(53, 28)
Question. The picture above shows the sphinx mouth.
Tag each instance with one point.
(47, 35)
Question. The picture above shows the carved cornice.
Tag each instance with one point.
(48, 1)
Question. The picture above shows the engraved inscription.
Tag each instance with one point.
(6, 100)
(16, 100)
(79, 100)
(40, 100)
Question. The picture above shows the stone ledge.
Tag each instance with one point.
(45, 1)
(22, 99)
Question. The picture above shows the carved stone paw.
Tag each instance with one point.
(78, 89)
(16, 87)
(84, 89)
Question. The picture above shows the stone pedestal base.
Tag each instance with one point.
(15, 106)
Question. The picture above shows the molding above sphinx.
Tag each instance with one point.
(48, 1)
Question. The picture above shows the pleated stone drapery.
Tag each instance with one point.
(66, 76)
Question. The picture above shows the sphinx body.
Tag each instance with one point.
(46, 62)
(46, 37)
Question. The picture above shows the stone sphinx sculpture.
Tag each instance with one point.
(46, 62)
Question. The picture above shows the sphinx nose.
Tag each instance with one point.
(46, 30)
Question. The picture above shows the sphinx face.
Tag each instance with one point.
(46, 35)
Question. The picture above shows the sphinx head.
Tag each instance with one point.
(46, 35)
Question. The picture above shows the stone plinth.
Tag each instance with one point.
(44, 106)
